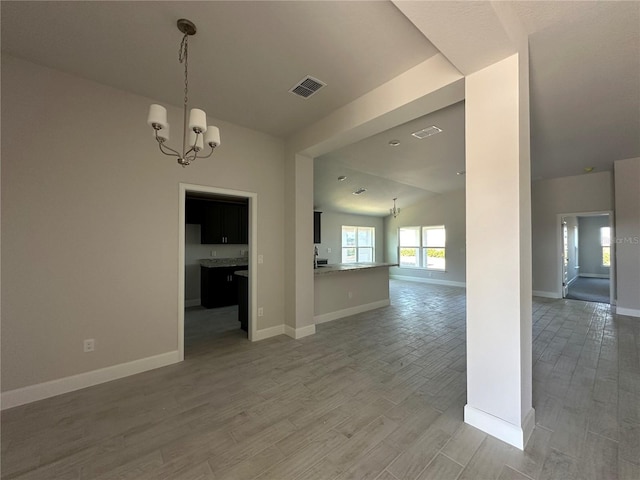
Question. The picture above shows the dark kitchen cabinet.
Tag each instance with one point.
(193, 211)
(218, 287)
(224, 223)
(317, 230)
(243, 301)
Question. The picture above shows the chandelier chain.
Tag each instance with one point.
(183, 57)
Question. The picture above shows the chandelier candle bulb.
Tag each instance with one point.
(157, 115)
(198, 120)
(197, 144)
(212, 136)
(164, 133)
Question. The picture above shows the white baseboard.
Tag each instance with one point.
(299, 332)
(268, 333)
(347, 312)
(594, 275)
(194, 302)
(449, 283)
(572, 280)
(33, 393)
(632, 312)
(501, 429)
(540, 293)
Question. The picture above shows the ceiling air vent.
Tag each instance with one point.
(307, 87)
(426, 132)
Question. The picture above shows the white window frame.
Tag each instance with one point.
(421, 247)
(604, 245)
(358, 247)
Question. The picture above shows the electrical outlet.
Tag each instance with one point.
(260, 312)
(328, 250)
(89, 345)
(350, 294)
(214, 253)
(260, 259)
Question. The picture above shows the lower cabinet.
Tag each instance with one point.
(243, 302)
(218, 287)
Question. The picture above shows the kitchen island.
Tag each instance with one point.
(218, 284)
(346, 289)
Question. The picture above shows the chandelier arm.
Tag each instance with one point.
(210, 153)
(171, 151)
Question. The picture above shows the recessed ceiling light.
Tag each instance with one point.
(460, 173)
(360, 191)
(342, 178)
(394, 143)
(426, 132)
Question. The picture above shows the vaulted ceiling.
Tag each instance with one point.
(584, 74)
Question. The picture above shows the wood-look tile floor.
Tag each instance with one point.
(375, 396)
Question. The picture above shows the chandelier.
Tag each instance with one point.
(394, 211)
(196, 133)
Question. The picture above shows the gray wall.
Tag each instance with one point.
(332, 223)
(577, 194)
(627, 234)
(90, 224)
(590, 257)
(446, 209)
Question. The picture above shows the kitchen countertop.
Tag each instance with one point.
(224, 262)
(348, 267)
(242, 273)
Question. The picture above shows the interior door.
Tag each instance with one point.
(565, 260)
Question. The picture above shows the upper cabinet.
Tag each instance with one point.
(193, 211)
(221, 222)
(317, 227)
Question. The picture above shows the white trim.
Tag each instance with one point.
(594, 275)
(632, 312)
(449, 283)
(194, 302)
(560, 252)
(347, 312)
(299, 332)
(253, 254)
(515, 435)
(540, 293)
(572, 280)
(268, 332)
(33, 393)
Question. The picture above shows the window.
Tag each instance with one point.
(358, 244)
(422, 247)
(605, 244)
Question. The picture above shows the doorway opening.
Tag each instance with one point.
(587, 267)
(217, 249)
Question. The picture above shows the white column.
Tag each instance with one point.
(299, 246)
(498, 205)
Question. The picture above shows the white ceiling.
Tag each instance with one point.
(413, 170)
(584, 73)
(243, 60)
